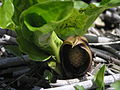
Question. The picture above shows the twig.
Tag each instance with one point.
(108, 43)
(111, 50)
(102, 51)
(86, 84)
(20, 72)
(7, 62)
(97, 39)
(94, 31)
(110, 88)
(99, 60)
(15, 80)
(2, 42)
(91, 38)
(109, 71)
(11, 33)
(9, 40)
(65, 82)
(93, 71)
(106, 57)
(114, 70)
(115, 46)
(14, 70)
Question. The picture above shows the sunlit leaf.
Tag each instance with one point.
(78, 23)
(110, 3)
(80, 4)
(45, 13)
(99, 77)
(6, 13)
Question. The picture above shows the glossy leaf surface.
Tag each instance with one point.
(99, 78)
(6, 13)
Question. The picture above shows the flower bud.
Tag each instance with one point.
(75, 56)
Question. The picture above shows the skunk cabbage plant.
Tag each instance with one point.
(43, 25)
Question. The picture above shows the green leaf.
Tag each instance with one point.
(116, 85)
(32, 50)
(48, 42)
(79, 21)
(80, 4)
(78, 87)
(91, 13)
(99, 77)
(110, 3)
(48, 75)
(14, 50)
(19, 7)
(41, 21)
(40, 33)
(6, 13)
(55, 66)
(41, 45)
(104, 2)
(45, 13)
(28, 47)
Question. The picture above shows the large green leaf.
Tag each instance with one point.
(48, 42)
(6, 13)
(20, 6)
(37, 26)
(94, 10)
(91, 12)
(42, 20)
(28, 47)
(79, 21)
(72, 26)
(37, 16)
(82, 18)
(99, 77)
(39, 21)
(32, 50)
(39, 44)
(110, 3)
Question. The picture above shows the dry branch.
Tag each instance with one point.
(111, 50)
(107, 43)
(9, 39)
(106, 57)
(86, 84)
(7, 62)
